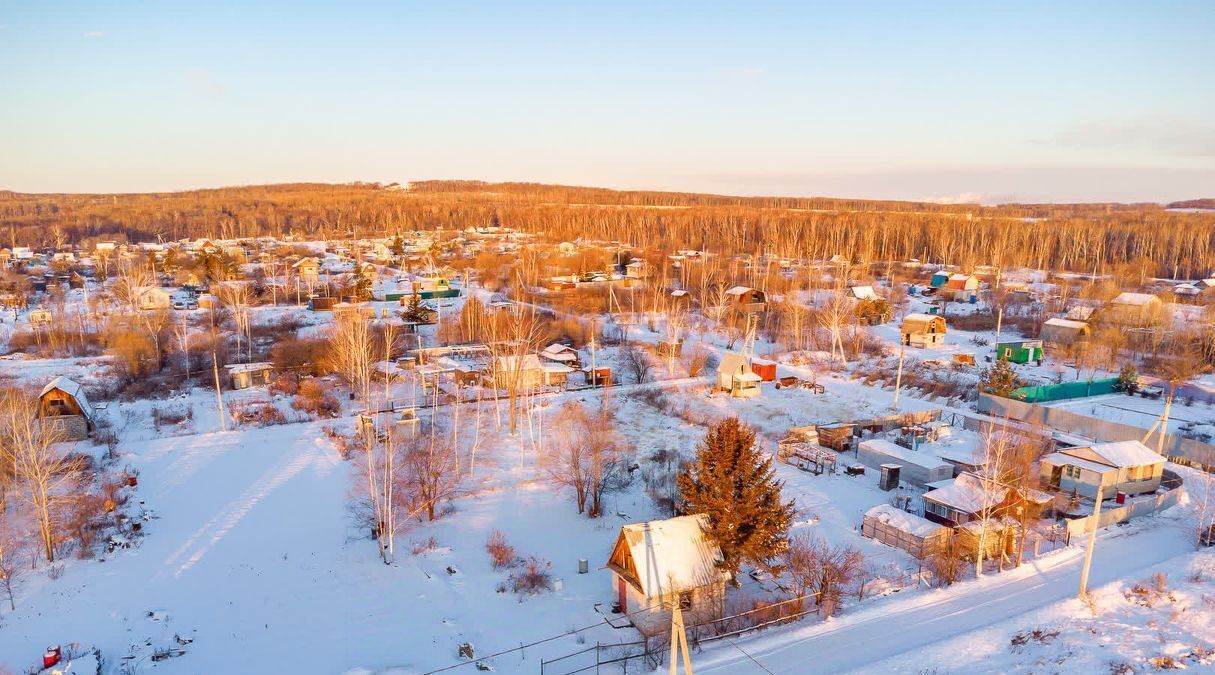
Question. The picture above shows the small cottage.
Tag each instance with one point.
(154, 298)
(1134, 309)
(308, 270)
(1062, 332)
(963, 287)
(965, 498)
(747, 300)
(1123, 466)
(657, 564)
(63, 405)
(923, 330)
(734, 375)
(562, 354)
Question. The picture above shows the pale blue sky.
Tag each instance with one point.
(999, 100)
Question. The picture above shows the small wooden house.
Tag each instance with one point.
(154, 298)
(1134, 309)
(923, 330)
(747, 300)
(1064, 332)
(308, 270)
(735, 375)
(657, 564)
(962, 287)
(562, 354)
(64, 405)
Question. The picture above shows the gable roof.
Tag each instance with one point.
(862, 292)
(1135, 299)
(71, 388)
(1121, 453)
(966, 493)
(739, 290)
(669, 556)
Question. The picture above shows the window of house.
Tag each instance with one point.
(685, 600)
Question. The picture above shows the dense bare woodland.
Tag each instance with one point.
(1077, 237)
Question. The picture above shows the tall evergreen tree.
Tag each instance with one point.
(999, 379)
(736, 487)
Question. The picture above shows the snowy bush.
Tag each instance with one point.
(533, 577)
(501, 553)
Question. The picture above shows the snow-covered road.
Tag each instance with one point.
(887, 628)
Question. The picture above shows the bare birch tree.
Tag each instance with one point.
(43, 473)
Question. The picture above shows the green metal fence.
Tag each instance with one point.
(1059, 392)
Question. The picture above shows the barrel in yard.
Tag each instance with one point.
(583, 566)
(51, 657)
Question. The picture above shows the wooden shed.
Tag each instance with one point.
(923, 330)
(63, 404)
(657, 564)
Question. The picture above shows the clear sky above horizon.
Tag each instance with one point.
(991, 101)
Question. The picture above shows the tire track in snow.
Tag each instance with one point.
(223, 522)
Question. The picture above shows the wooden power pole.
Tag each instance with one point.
(219, 396)
(679, 640)
(1092, 542)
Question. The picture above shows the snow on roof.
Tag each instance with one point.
(1127, 453)
(748, 377)
(510, 361)
(672, 555)
(903, 521)
(920, 317)
(739, 290)
(898, 452)
(1137, 299)
(1063, 459)
(560, 352)
(966, 493)
(71, 388)
(863, 292)
(1080, 313)
(1065, 323)
(249, 367)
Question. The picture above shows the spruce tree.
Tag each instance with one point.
(999, 379)
(736, 487)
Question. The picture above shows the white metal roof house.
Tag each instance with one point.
(734, 374)
(661, 562)
(1123, 466)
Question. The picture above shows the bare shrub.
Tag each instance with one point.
(501, 554)
(532, 577)
(315, 397)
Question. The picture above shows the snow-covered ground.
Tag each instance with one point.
(966, 628)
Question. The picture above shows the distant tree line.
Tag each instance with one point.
(1076, 237)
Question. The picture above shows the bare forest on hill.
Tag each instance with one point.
(1086, 238)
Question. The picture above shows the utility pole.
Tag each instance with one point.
(1092, 542)
(219, 396)
(898, 379)
(679, 639)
